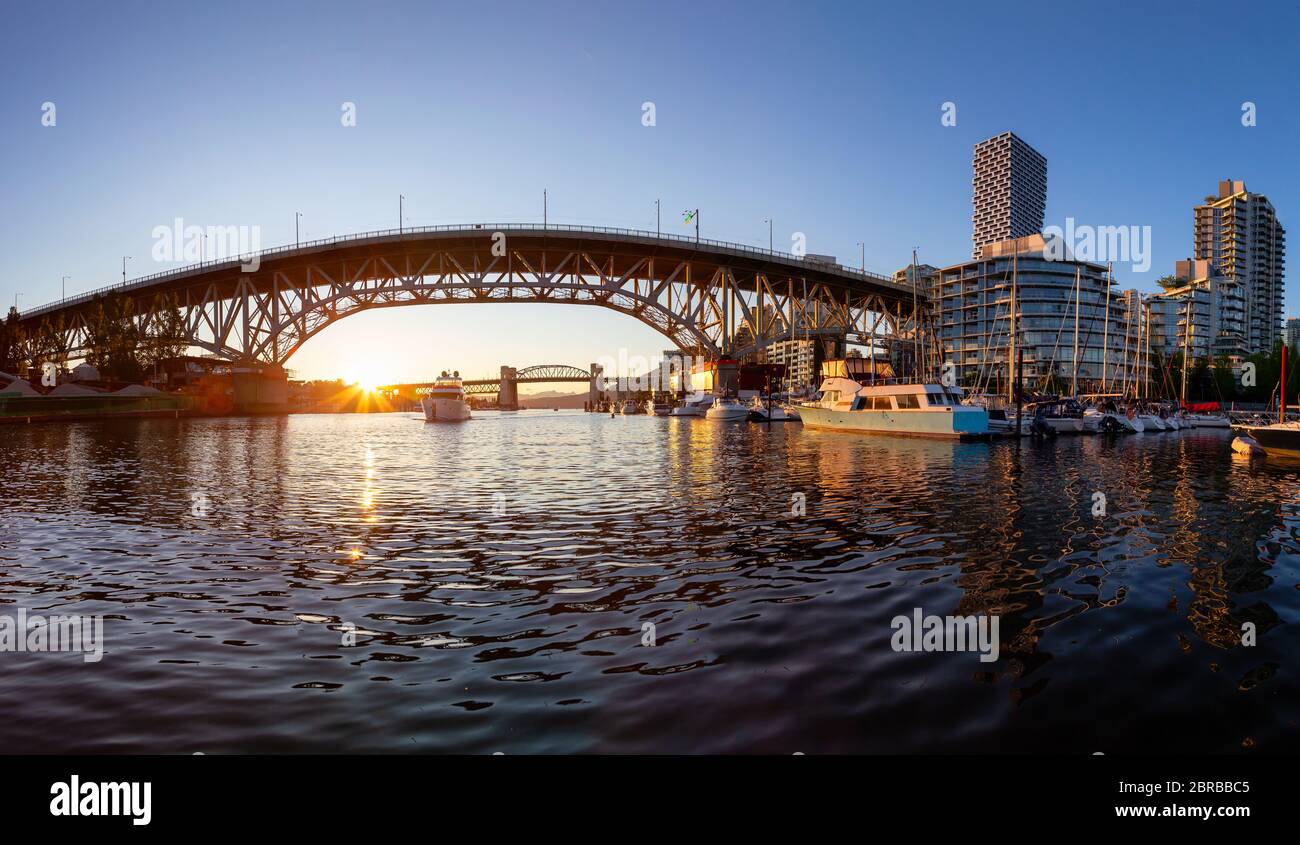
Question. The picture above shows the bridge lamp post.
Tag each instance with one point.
(125, 258)
(864, 255)
(770, 242)
(297, 215)
(657, 232)
(65, 288)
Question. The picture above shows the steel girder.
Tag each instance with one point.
(706, 302)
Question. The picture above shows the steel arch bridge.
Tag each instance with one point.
(710, 298)
(537, 374)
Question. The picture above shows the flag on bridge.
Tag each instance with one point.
(688, 216)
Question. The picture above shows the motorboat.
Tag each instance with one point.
(630, 407)
(445, 400)
(727, 409)
(915, 408)
(657, 409)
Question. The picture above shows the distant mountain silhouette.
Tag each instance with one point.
(552, 399)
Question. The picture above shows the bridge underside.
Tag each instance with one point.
(709, 300)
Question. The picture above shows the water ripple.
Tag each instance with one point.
(372, 583)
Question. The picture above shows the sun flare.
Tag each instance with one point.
(367, 377)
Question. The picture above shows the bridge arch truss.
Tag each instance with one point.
(708, 298)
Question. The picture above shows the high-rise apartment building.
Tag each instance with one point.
(973, 311)
(797, 355)
(1201, 314)
(1239, 233)
(1292, 337)
(1010, 191)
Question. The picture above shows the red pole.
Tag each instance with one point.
(1281, 389)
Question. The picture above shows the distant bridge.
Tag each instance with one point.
(710, 298)
(505, 388)
(538, 374)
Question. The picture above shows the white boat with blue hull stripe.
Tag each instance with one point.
(915, 409)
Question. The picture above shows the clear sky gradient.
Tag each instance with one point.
(824, 116)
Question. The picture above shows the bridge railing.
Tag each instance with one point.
(178, 272)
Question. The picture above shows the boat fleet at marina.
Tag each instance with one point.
(927, 409)
(708, 406)
(1050, 416)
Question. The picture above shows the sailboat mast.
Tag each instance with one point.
(1074, 378)
(1105, 333)
(1128, 339)
(1144, 353)
(916, 326)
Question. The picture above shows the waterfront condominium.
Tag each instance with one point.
(1207, 302)
(971, 305)
(1292, 337)
(1239, 233)
(1010, 191)
(797, 355)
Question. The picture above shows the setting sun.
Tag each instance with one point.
(367, 376)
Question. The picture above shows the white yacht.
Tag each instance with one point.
(727, 409)
(630, 407)
(928, 410)
(445, 401)
(657, 409)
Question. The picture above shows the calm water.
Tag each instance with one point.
(497, 575)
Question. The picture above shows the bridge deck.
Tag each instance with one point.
(708, 297)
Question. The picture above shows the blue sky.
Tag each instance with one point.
(825, 116)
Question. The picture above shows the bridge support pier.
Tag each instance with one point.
(594, 388)
(508, 398)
